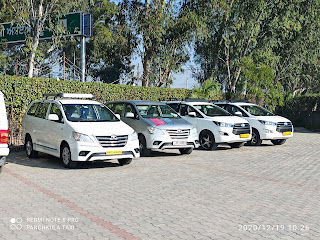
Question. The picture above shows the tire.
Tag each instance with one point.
(185, 150)
(255, 140)
(144, 152)
(278, 141)
(237, 145)
(66, 157)
(207, 141)
(125, 161)
(29, 148)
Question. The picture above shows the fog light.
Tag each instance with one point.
(156, 143)
(83, 153)
(136, 150)
(224, 134)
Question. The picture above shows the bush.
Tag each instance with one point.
(21, 91)
(300, 110)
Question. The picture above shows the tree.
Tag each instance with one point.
(164, 28)
(282, 35)
(209, 90)
(36, 15)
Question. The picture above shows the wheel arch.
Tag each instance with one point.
(64, 142)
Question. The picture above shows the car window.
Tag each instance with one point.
(174, 106)
(117, 108)
(157, 111)
(42, 110)
(56, 110)
(130, 108)
(257, 110)
(88, 113)
(212, 110)
(185, 110)
(233, 109)
(32, 110)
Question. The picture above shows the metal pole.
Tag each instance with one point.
(64, 66)
(187, 80)
(83, 58)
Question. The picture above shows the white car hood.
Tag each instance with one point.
(274, 119)
(102, 128)
(228, 119)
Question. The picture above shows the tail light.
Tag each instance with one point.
(4, 136)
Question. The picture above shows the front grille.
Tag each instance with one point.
(241, 128)
(284, 127)
(113, 141)
(179, 133)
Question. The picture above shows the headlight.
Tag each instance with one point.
(194, 130)
(268, 123)
(133, 136)
(222, 124)
(81, 137)
(154, 130)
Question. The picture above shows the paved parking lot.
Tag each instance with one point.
(267, 192)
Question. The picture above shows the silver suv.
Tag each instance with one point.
(158, 126)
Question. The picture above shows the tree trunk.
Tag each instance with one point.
(146, 69)
(32, 56)
(36, 26)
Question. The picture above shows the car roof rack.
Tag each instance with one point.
(195, 100)
(68, 95)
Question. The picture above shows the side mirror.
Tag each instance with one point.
(118, 116)
(53, 117)
(129, 115)
(192, 114)
(238, 114)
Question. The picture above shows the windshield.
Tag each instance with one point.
(157, 111)
(257, 110)
(88, 113)
(212, 110)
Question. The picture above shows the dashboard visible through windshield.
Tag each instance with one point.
(157, 111)
(212, 110)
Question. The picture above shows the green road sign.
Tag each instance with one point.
(75, 24)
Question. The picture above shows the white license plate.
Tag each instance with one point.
(179, 143)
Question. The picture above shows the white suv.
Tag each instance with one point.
(265, 125)
(4, 133)
(77, 130)
(214, 125)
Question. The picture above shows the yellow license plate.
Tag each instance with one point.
(286, 133)
(246, 135)
(114, 152)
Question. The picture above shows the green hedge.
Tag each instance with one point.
(303, 111)
(24, 90)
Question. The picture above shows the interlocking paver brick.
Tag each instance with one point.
(267, 192)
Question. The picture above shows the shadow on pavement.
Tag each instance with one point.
(47, 161)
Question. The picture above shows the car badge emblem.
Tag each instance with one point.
(179, 130)
(286, 123)
(113, 137)
(243, 125)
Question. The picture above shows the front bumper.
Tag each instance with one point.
(270, 133)
(93, 152)
(226, 135)
(155, 141)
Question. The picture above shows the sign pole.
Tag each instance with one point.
(83, 58)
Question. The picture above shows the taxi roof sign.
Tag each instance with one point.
(68, 95)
